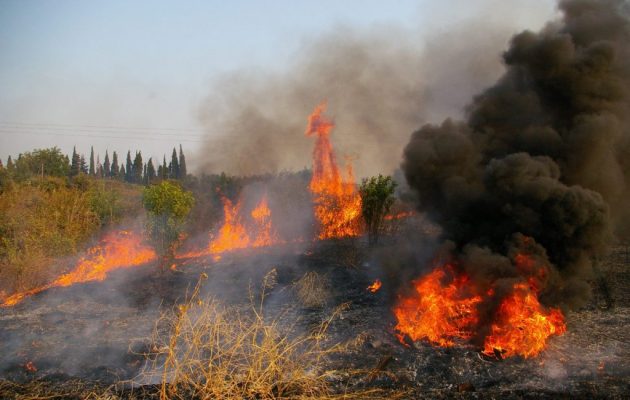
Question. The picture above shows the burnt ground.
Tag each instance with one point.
(93, 335)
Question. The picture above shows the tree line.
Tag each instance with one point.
(52, 162)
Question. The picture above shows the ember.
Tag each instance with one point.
(374, 287)
(337, 201)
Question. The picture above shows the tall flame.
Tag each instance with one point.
(337, 201)
(117, 250)
(237, 233)
(444, 307)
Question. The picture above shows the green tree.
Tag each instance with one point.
(83, 167)
(107, 168)
(168, 206)
(50, 162)
(137, 168)
(75, 167)
(150, 175)
(92, 171)
(115, 169)
(377, 197)
(182, 164)
(174, 166)
(128, 168)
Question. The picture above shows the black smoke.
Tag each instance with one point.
(540, 165)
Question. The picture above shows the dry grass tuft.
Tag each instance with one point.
(312, 290)
(219, 352)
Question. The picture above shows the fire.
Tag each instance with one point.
(117, 250)
(337, 201)
(400, 215)
(236, 233)
(444, 308)
(439, 310)
(522, 326)
(374, 287)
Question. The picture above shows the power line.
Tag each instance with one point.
(99, 127)
(139, 138)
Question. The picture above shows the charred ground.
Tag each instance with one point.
(93, 337)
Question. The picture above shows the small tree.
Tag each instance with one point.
(377, 197)
(168, 206)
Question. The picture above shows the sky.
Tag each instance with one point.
(133, 75)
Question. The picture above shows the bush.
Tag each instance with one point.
(377, 197)
(168, 206)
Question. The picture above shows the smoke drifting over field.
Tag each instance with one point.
(541, 163)
(380, 85)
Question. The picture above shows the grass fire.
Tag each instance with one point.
(372, 219)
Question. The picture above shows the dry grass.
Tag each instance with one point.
(219, 352)
(312, 290)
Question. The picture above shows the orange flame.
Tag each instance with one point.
(443, 308)
(234, 234)
(400, 215)
(122, 249)
(522, 326)
(337, 201)
(439, 310)
(374, 287)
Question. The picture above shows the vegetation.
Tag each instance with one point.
(168, 206)
(377, 197)
(220, 352)
(51, 217)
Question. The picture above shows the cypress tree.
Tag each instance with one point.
(106, 166)
(165, 170)
(83, 165)
(115, 169)
(150, 174)
(122, 173)
(75, 166)
(174, 168)
(1, 166)
(182, 164)
(10, 165)
(129, 168)
(92, 169)
(137, 168)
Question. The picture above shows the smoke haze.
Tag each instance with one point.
(540, 164)
(380, 86)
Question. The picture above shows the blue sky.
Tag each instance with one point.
(111, 72)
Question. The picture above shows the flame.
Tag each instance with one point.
(122, 249)
(444, 308)
(337, 201)
(374, 287)
(522, 326)
(400, 215)
(30, 367)
(439, 310)
(234, 234)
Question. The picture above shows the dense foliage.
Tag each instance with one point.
(377, 197)
(168, 206)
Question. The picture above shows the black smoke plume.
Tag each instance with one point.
(540, 165)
